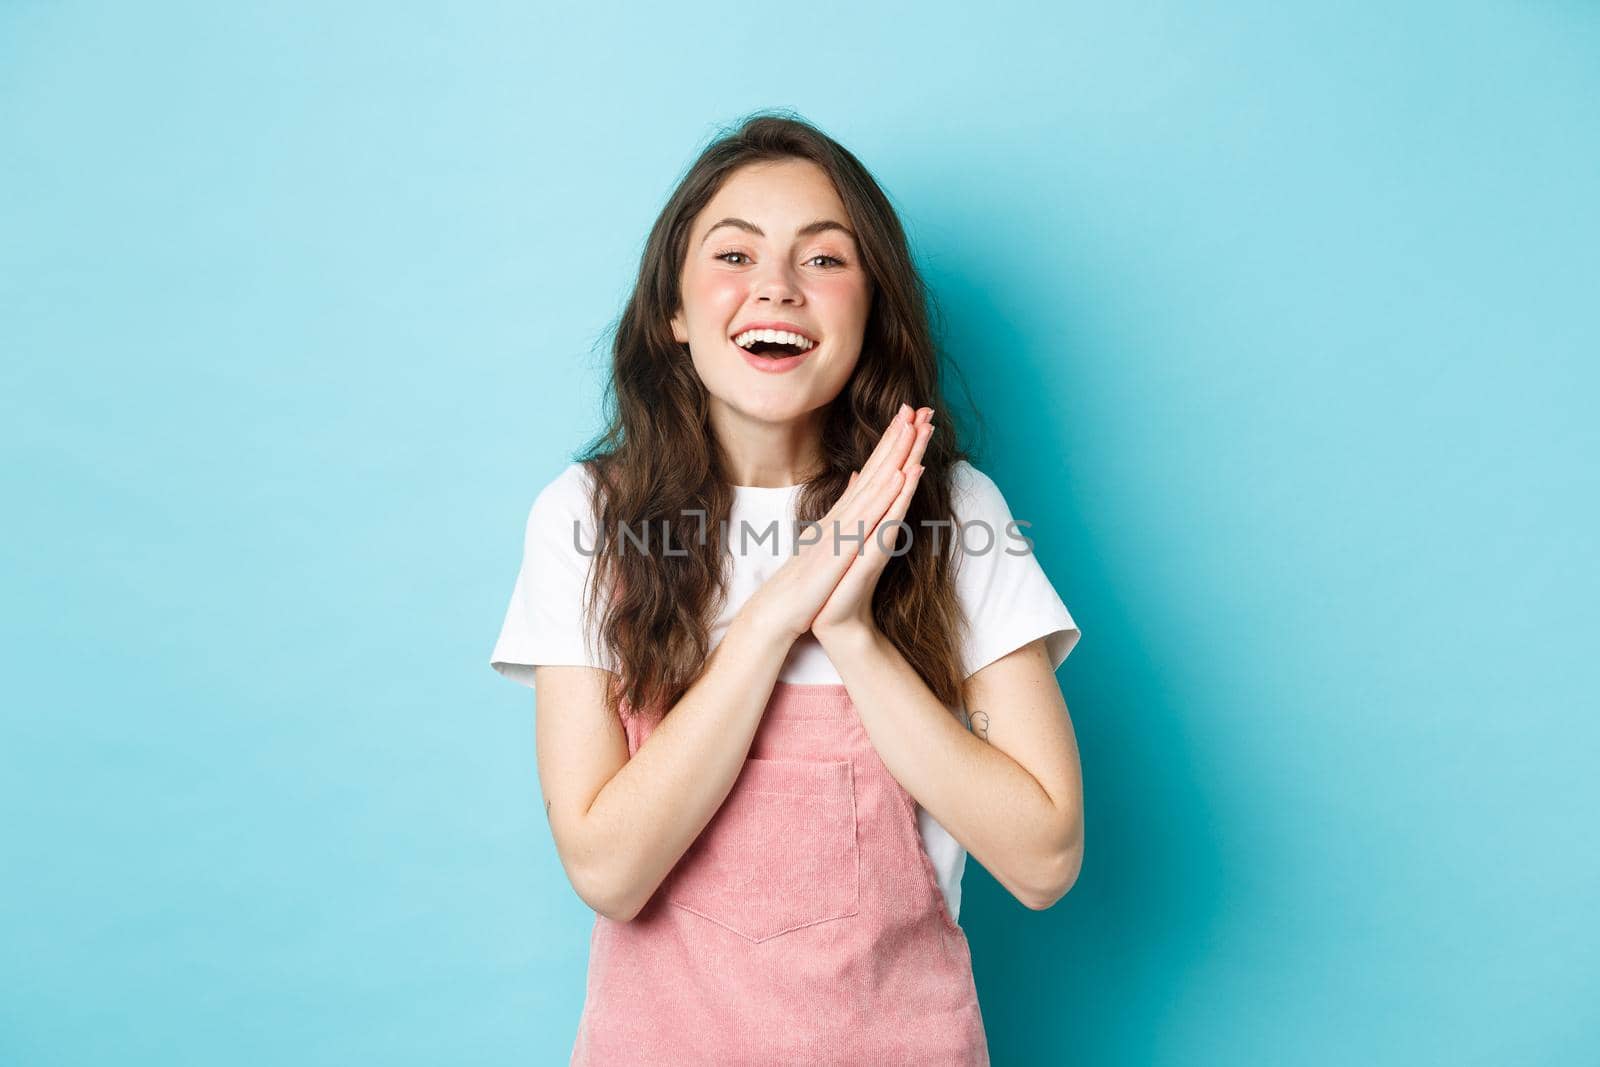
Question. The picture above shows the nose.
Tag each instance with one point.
(777, 284)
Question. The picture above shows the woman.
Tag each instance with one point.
(755, 613)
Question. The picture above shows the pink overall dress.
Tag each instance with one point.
(805, 925)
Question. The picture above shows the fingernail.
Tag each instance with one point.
(903, 409)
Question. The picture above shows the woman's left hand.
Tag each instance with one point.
(848, 610)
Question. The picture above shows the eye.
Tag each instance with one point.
(835, 261)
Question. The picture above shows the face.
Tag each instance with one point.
(777, 263)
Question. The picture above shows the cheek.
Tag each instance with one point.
(845, 295)
(715, 296)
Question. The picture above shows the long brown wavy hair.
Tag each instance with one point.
(658, 458)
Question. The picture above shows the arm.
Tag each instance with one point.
(1009, 789)
(621, 824)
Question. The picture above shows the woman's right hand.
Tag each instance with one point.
(789, 600)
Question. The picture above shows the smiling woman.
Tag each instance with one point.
(756, 760)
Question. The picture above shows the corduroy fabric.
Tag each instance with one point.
(805, 925)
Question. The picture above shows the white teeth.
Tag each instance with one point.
(750, 337)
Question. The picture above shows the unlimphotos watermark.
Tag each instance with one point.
(974, 537)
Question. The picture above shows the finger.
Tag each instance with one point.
(901, 447)
(902, 502)
(909, 452)
(881, 455)
(886, 536)
(877, 502)
(919, 445)
(891, 434)
(859, 514)
(906, 454)
(921, 423)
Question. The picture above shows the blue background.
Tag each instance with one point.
(1284, 322)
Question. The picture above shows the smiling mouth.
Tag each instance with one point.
(774, 349)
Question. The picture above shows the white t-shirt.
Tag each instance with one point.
(1006, 598)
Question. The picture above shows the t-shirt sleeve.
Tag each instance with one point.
(1006, 597)
(545, 623)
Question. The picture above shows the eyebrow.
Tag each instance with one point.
(810, 228)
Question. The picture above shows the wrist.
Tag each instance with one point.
(763, 627)
(852, 635)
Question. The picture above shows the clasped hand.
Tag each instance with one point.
(826, 587)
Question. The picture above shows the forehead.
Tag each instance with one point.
(779, 197)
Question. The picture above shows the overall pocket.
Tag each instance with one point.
(780, 853)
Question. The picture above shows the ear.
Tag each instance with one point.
(680, 327)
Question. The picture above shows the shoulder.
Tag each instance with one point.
(573, 482)
(565, 495)
(989, 535)
(974, 495)
(561, 508)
